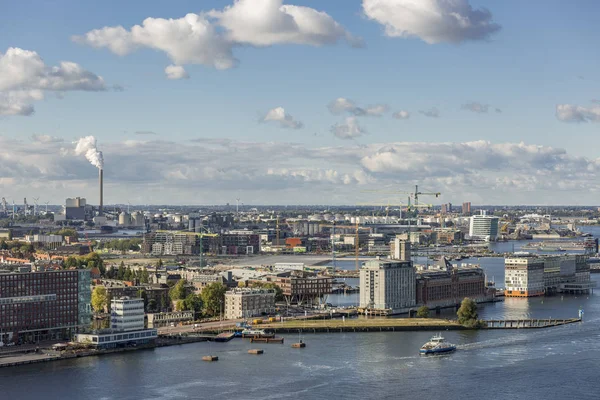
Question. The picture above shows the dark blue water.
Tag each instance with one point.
(554, 363)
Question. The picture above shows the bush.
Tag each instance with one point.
(423, 312)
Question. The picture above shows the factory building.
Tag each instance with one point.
(449, 286)
(37, 306)
(387, 286)
(75, 208)
(483, 227)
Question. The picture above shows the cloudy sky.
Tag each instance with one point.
(301, 101)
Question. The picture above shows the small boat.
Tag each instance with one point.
(224, 337)
(436, 345)
(256, 333)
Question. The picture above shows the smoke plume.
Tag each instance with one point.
(87, 146)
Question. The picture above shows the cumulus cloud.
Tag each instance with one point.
(149, 171)
(44, 139)
(25, 78)
(402, 114)
(349, 129)
(342, 105)
(433, 21)
(476, 107)
(269, 22)
(176, 72)
(431, 113)
(284, 119)
(573, 113)
(208, 38)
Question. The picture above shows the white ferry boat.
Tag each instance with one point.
(436, 345)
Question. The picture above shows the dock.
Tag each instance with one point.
(382, 324)
(266, 340)
(527, 323)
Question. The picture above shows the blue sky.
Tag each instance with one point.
(542, 56)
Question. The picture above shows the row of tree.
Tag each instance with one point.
(127, 274)
(121, 244)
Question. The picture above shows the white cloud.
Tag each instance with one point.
(24, 78)
(349, 129)
(208, 38)
(213, 171)
(176, 72)
(269, 22)
(476, 107)
(342, 105)
(431, 113)
(573, 113)
(402, 114)
(284, 119)
(434, 21)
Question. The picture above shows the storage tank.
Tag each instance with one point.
(124, 219)
(137, 219)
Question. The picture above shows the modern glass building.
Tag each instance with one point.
(37, 306)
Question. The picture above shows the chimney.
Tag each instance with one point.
(101, 206)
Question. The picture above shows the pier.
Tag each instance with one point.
(527, 323)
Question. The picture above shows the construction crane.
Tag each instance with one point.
(415, 195)
(35, 207)
(357, 228)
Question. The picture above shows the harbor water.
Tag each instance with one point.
(553, 363)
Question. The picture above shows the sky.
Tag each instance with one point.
(301, 101)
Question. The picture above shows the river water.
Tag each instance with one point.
(554, 363)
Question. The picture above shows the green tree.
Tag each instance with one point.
(152, 305)
(121, 271)
(159, 263)
(213, 297)
(99, 298)
(128, 276)
(143, 295)
(179, 291)
(193, 302)
(423, 312)
(71, 262)
(467, 313)
(179, 305)
(145, 277)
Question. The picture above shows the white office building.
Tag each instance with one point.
(249, 302)
(388, 285)
(483, 227)
(127, 326)
(127, 314)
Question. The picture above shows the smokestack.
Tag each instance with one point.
(101, 177)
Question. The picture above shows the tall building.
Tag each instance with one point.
(388, 286)
(36, 306)
(249, 302)
(483, 227)
(524, 277)
(127, 326)
(466, 208)
(446, 208)
(400, 249)
(127, 314)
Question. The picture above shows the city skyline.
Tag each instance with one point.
(301, 102)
